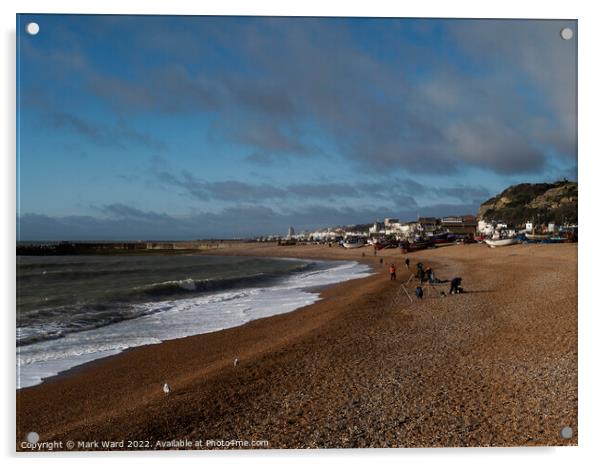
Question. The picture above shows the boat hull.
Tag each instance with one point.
(535, 237)
(494, 243)
(352, 245)
(411, 247)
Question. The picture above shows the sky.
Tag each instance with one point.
(176, 127)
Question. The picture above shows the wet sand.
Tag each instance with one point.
(363, 367)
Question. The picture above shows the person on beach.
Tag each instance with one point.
(455, 286)
(392, 272)
(421, 275)
(419, 270)
(407, 261)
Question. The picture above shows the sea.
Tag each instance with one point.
(75, 309)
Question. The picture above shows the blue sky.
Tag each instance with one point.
(141, 127)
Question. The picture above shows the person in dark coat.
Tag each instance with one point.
(455, 285)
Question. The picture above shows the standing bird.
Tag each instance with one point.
(236, 362)
(166, 389)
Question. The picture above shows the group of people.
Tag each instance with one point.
(427, 275)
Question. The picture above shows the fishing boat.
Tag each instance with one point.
(555, 240)
(494, 243)
(406, 246)
(479, 238)
(352, 244)
(444, 239)
(536, 236)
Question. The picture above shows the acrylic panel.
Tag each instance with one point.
(295, 232)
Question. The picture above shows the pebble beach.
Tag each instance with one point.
(366, 366)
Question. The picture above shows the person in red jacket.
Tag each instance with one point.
(392, 271)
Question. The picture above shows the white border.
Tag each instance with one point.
(590, 79)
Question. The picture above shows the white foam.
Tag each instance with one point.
(167, 320)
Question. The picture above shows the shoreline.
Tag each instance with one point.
(314, 290)
(319, 289)
(356, 368)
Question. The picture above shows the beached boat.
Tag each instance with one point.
(479, 238)
(536, 236)
(352, 245)
(443, 239)
(385, 245)
(494, 243)
(415, 246)
(555, 240)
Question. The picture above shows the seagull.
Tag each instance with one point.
(166, 389)
(236, 362)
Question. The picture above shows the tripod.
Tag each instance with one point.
(428, 287)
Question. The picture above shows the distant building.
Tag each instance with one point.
(291, 233)
(407, 230)
(428, 225)
(355, 234)
(460, 225)
(378, 228)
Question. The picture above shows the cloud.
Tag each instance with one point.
(488, 143)
(263, 135)
(221, 190)
(122, 211)
(118, 136)
(533, 52)
(464, 193)
(120, 221)
(169, 89)
(394, 189)
(493, 95)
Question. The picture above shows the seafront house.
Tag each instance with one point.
(460, 225)
(428, 225)
(378, 228)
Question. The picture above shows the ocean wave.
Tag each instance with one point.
(189, 285)
(36, 325)
(166, 319)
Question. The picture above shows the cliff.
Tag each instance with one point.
(537, 202)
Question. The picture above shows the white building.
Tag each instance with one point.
(355, 234)
(377, 228)
(485, 228)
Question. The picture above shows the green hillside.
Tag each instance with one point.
(538, 202)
